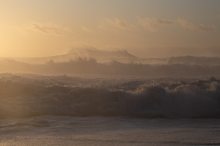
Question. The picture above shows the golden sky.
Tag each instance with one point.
(148, 28)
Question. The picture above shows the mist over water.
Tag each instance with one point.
(109, 98)
(109, 73)
(94, 62)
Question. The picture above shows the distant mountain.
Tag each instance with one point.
(92, 68)
(101, 56)
(121, 56)
(192, 60)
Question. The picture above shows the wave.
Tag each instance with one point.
(25, 97)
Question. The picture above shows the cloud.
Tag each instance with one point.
(116, 23)
(188, 25)
(48, 29)
(153, 24)
(148, 24)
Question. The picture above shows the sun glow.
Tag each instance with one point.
(39, 28)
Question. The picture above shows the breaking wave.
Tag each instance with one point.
(24, 97)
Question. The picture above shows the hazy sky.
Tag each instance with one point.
(148, 28)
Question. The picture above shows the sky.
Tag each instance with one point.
(146, 28)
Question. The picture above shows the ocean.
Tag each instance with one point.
(101, 131)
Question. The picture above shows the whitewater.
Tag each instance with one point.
(96, 131)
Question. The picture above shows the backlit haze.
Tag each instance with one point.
(109, 72)
(146, 28)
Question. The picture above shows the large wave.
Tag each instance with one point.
(22, 97)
